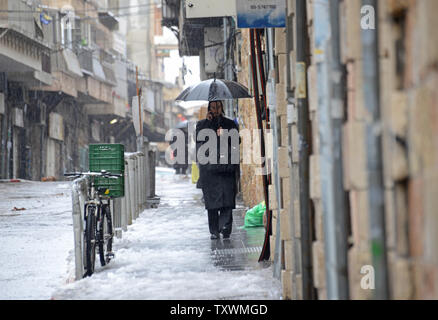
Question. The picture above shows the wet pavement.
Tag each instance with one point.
(242, 250)
(166, 254)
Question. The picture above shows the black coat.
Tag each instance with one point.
(218, 181)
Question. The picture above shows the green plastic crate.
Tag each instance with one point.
(116, 187)
(109, 157)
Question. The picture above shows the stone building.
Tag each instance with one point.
(67, 80)
(356, 120)
(404, 256)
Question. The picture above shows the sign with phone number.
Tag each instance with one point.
(261, 13)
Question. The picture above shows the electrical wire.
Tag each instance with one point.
(32, 18)
(45, 8)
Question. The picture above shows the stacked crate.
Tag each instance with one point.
(111, 158)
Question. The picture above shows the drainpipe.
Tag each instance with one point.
(303, 133)
(3, 128)
(330, 116)
(337, 114)
(266, 250)
(322, 47)
(225, 26)
(228, 70)
(376, 205)
(272, 104)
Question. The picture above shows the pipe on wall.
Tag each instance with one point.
(304, 148)
(330, 116)
(373, 140)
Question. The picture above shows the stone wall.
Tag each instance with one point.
(409, 114)
(251, 184)
(409, 99)
(408, 74)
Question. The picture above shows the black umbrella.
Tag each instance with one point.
(213, 90)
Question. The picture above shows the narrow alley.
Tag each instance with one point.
(127, 126)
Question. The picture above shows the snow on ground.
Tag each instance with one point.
(165, 254)
(36, 238)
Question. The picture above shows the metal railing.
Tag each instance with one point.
(139, 183)
(79, 195)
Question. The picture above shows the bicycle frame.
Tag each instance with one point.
(98, 230)
(95, 199)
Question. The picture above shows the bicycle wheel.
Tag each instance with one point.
(90, 241)
(105, 235)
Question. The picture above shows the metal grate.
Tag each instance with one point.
(247, 250)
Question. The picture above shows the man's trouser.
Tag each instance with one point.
(220, 220)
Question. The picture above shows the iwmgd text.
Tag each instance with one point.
(220, 309)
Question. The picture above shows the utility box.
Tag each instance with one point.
(210, 8)
(109, 157)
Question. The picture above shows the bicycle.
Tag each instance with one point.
(98, 222)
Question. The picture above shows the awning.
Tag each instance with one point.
(108, 19)
(98, 70)
(72, 62)
(33, 79)
(86, 61)
(109, 75)
(153, 136)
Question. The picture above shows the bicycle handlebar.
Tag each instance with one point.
(103, 173)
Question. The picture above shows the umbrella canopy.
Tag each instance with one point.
(182, 125)
(213, 90)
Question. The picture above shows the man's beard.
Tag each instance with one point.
(217, 122)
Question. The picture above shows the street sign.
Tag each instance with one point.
(261, 13)
(210, 8)
(136, 115)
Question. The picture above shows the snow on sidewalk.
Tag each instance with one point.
(36, 239)
(167, 254)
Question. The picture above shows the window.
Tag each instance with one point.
(77, 34)
(67, 26)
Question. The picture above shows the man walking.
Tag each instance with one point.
(218, 178)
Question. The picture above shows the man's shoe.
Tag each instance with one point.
(214, 236)
(226, 236)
